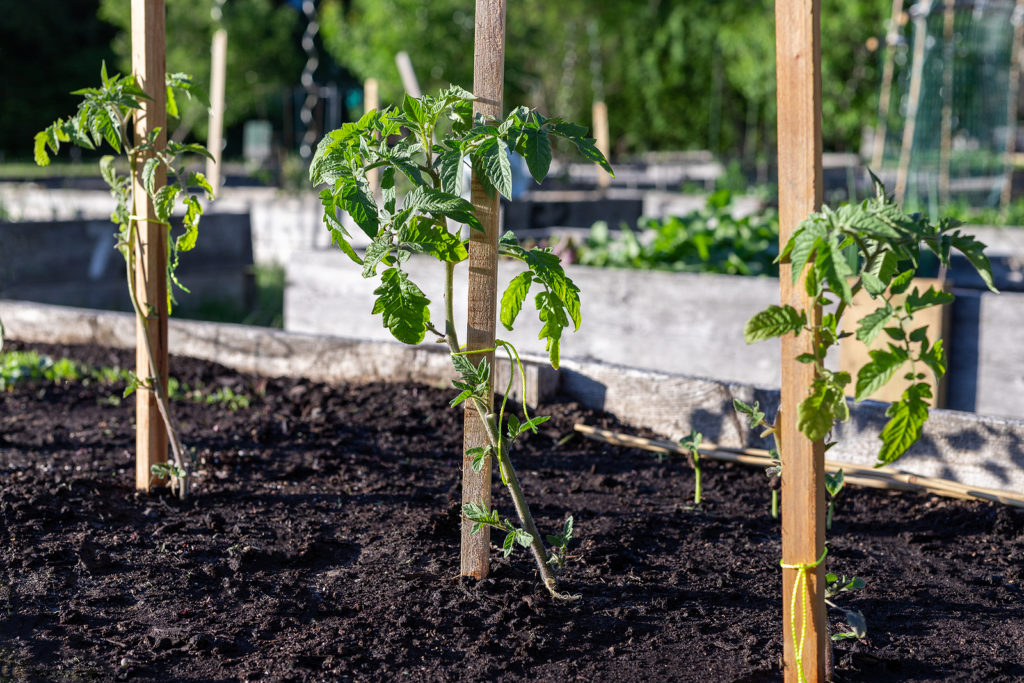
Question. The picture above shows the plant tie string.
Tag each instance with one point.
(802, 569)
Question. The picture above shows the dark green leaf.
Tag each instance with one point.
(491, 162)
(404, 308)
(877, 372)
(906, 421)
(773, 321)
(932, 297)
(552, 316)
(536, 148)
(376, 252)
(873, 323)
(355, 198)
(428, 237)
(974, 251)
(426, 200)
(901, 282)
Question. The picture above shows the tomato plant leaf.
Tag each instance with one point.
(906, 421)
(873, 375)
(513, 298)
(774, 321)
(404, 307)
(871, 324)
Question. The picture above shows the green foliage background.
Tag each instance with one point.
(263, 55)
(675, 74)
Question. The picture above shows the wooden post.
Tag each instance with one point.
(946, 127)
(488, 84)
(885, 93)
(1011, 105)
(798, 65)
(600, 116)
(371, 101)
(218, 77)
(408, 74)
(150, 283)
(913, 104)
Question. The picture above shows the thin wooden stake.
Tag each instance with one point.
(798, 78)
(946, 127)
(913, 104)
(218, 79)
(1011, 106)
(488, 84)
(885, 92)
(371, 101)
(603, 142)
(151, 285)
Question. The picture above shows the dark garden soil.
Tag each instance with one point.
(322, 544)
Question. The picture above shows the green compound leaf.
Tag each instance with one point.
(974, 251)
(906, 422)
(492, 162)
(876, 373)
(428, 237)
(815, 415)
(536, 148)
(873, 323)
(450, 167)
(426, 200)
(901, 282)
(552, 315)
(376, 252)
(773, 321)
(803, 244)
(935, 359)
(932, 297)
(354, 196)
(513, 298)
(404, 307)
(163, 201)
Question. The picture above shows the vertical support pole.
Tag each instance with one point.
(946, 127)
(488, 84)
(798, 64)
(913, 98)
(885, 93)
(151, 285)
(1011, 106)
(600, 117)
(218, 78)
(371, 101)
(408, 73)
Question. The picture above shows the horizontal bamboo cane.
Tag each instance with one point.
(881, 478)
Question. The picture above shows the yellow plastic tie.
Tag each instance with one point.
(801, 581)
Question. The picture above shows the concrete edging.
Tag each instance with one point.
(975, 450)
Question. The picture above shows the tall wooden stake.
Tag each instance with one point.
(371, 101)
(798, 64)
(913, 104)
(885, 92)
(488, 83)
(218, 79)
(149, 69)
(602, 140)
(946, 127)
(1011, 105)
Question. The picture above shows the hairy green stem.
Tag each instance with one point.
(163, 406)
(540, 554)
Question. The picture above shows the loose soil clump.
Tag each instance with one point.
(322, 544)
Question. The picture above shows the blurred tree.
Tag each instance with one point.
(676, 75)
(264, 55)
(37, 71)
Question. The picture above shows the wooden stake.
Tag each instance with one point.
(1011, 105)
(408, 73)
(798, 65)
(913, 104)
(488, 84)
(885, 93)
(600, 117)
(946, 126)
(150, 283)
(218, 78)
(371, 101)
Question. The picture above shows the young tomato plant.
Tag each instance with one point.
(692, 443)
(887, 245)
(104, 116)
(425, 147)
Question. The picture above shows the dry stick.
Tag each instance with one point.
(881, 478)
(798, 78)
(148, 66)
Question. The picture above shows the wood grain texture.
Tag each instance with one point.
(602, 139)
(148, 66)
(798, 65)
(488, 84)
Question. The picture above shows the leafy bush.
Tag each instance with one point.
(708, 241)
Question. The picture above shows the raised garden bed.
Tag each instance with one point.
(322, 542)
